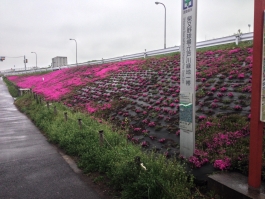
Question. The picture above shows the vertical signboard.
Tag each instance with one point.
(262, 106)
(188, 77)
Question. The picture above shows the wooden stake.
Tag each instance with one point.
(65, 116)
(101, 140)
(80, 123)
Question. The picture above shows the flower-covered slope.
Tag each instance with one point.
(55, 85)
(142, 97)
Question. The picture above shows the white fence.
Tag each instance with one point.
(202, 44)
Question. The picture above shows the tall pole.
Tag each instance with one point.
(256, 126)
(75, 50)
(25, 62)
(36, 59)
(165, 23)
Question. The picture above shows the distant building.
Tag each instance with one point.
(59, 61)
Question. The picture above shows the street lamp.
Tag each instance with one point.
(36, 59)
(165, 23)
(248, 27)
(76, 50)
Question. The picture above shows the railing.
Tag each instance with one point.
(202, 44)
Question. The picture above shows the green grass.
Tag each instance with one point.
(243, 44)
(116, 158)
(12, 88)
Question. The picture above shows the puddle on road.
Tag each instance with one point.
(12, 138)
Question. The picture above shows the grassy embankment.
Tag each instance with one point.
(116, 158)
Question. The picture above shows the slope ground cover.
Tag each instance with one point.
(141, 97)
(129, 170)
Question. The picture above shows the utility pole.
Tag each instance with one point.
(25, 61)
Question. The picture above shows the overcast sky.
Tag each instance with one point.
(106, 28)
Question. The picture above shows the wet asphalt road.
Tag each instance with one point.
(29, 166)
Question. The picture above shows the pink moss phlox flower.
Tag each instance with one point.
(230, 94)
(160, 116)
(172, 105)
(213, 89)
(249, 116)
(201, 104)
(137, 129)
(230, 77)
(222, 164)
(223, 89)
(209, 93)
(247, 89)
(249, 59)
(237, 107)
(234, 51)
(250, 50)
(151, 124)
(166, 154)
(214, 105)
(178, 133)
(129, 137)
(157, 102)
(125, 114)
(202, 117)
(145, 121)
(135, 140)
(208, 124)
(233, 72)
(171, 112)
(199, 158)
(106, 106)
(152, 137)
(157, 109)
(209, 52)
(220, 94)
(162, 140)
(90, 108)
(144, 112)
(144, 144)
(241, 76)
(144, 131)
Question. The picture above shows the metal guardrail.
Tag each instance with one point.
(202, 44)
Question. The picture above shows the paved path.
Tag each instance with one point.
(29, 166)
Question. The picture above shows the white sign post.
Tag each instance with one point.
(188, 77)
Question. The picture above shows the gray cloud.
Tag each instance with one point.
(105, 29)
